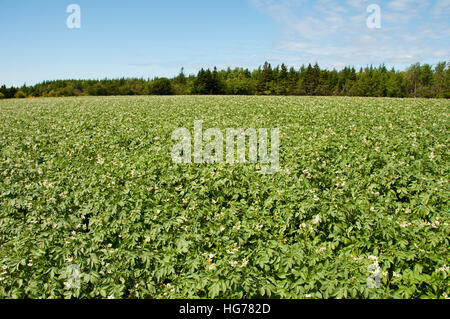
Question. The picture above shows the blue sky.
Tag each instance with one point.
(138, 38)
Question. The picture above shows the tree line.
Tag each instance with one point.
(419, 80)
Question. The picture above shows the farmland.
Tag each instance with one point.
(358, 209)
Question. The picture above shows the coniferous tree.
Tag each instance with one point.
(417, 81)
(264, 79)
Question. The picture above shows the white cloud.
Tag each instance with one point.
(366, 39)
(442, 7)
(358, 4)
(336, 31)
(441, 54)
(405, 5)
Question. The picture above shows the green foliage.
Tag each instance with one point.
(161, 86)
(90, 181)
(2, 96)
(20, 95)
(417, 81)
(207, 82)
(265, 78)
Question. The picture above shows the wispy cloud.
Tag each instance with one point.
(442, 7)
(335, 32)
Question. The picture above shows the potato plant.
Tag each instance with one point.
(358, 209)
